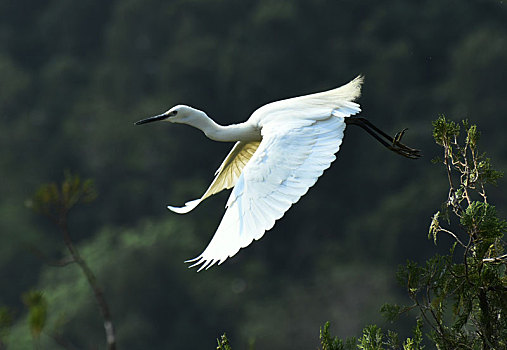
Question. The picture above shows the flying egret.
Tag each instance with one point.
(279, 153)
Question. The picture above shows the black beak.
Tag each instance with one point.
(152, 119)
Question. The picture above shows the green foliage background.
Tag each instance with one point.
(75, 76)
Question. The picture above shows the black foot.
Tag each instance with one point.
(403, 150)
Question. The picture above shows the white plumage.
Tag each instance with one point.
(287, 162)
(280, 152)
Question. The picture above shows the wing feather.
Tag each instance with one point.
(226, 175)
(288, 161)
(300, 137)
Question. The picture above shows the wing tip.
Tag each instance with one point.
(353, 88)
(205, 263)
(359, 79)
(189, 206)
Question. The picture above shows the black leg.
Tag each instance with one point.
(389, 142)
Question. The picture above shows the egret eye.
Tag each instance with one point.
(173, 113)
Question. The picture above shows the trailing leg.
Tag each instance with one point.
(387, 141)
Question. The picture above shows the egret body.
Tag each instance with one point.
(279, 153)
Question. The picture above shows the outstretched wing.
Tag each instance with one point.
(226, 175)
(293, 153)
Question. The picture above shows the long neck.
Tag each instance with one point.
(229, 133)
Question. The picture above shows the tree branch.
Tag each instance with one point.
(92, 281)
(500, 258)
(55, 263)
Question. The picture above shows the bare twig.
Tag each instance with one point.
(55, 202)
(453, 235)
(501, 258)
(92, 281)
(55, 263)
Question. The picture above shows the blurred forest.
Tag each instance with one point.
(74, 76)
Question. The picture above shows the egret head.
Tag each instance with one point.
(177, 114)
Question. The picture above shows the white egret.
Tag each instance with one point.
(280, 152)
